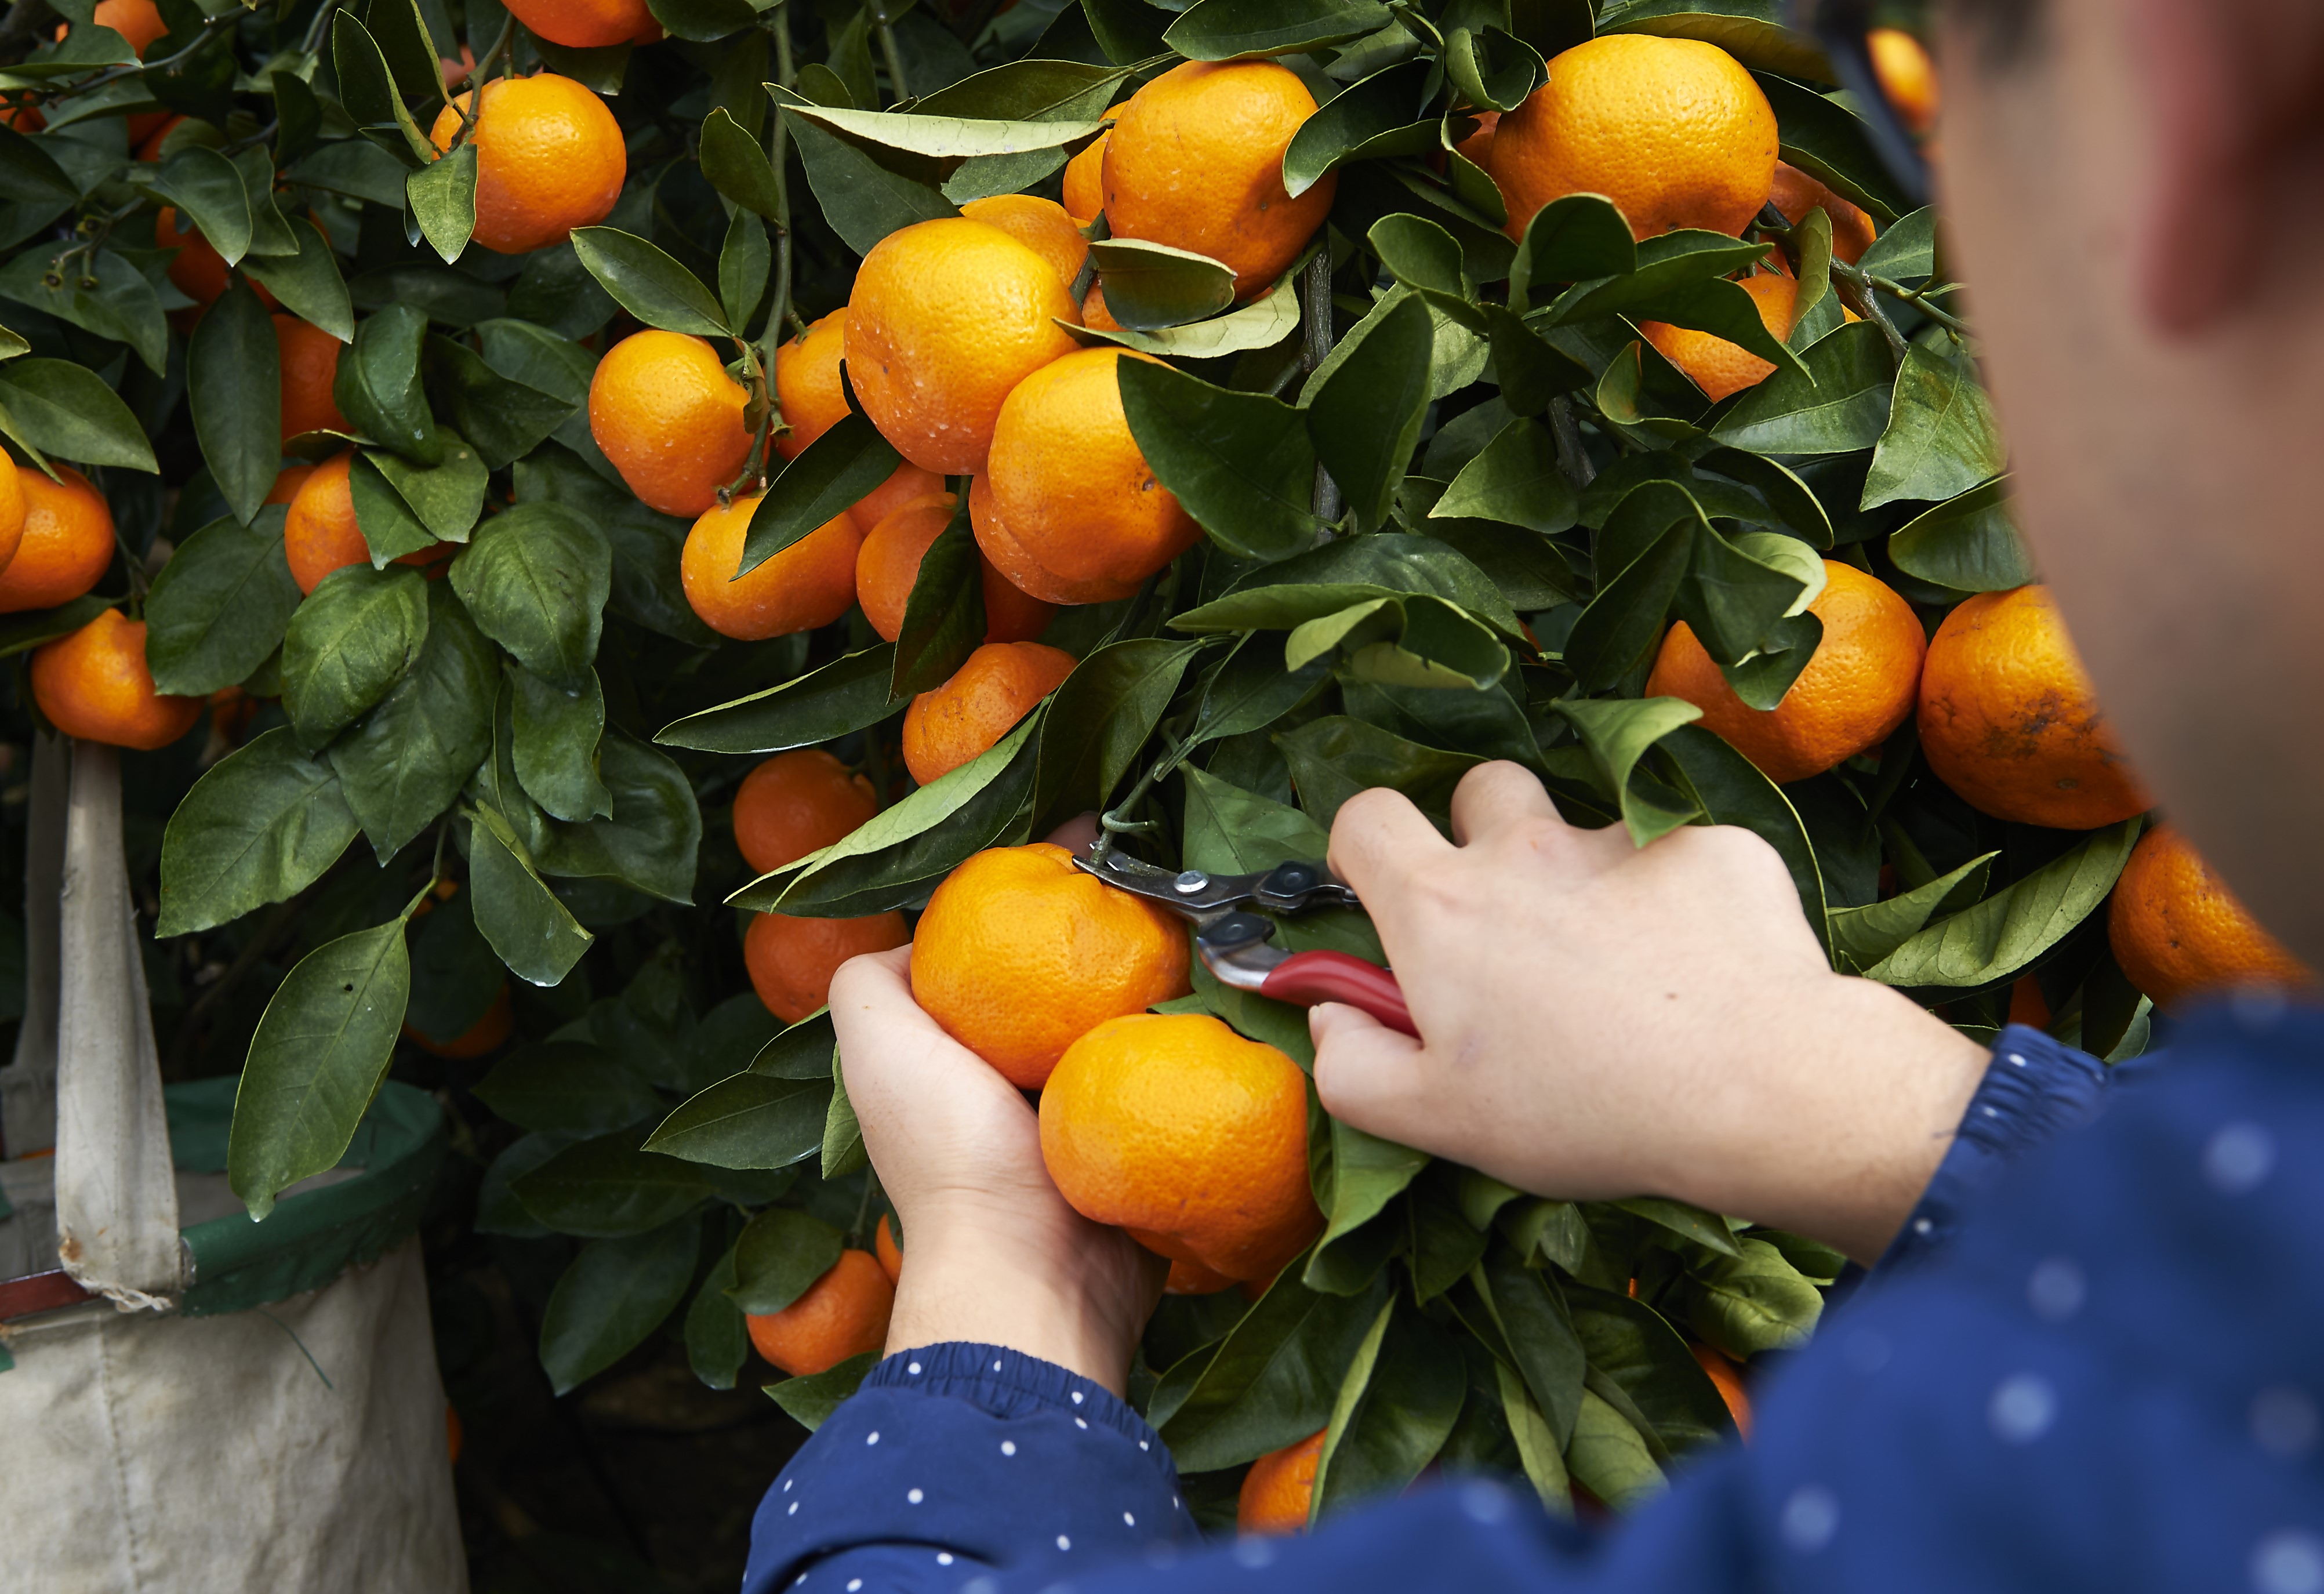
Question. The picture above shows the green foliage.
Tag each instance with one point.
(1451, 502)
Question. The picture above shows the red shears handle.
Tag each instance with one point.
(1307, 978)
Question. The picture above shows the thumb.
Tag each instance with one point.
(1369, 1076)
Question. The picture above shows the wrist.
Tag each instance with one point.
(1877, 1083)
(1078, 1306)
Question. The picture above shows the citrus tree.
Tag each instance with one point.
(497, 470)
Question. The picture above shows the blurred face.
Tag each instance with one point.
(2166, 439)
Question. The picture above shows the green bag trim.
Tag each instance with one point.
(313, 1237)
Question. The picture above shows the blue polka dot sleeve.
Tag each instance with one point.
(2090, 1361)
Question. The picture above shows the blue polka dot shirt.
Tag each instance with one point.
(2093, 1360)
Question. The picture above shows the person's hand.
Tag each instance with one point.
(1602, 1020)
(993, 1253)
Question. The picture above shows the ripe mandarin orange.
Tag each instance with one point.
(1855, 692)
(843, 1314)
(1086, 181)
(2027, 1005)
(2178, 931)
(1280, 1490)
(487, 1033)
(1067, 507)
(890, 1252)
(1094, 315)
(1042, 226)
(14, 508)
(889, 563)
(1477, 149)
(310, 365)
(549, 158)
(669, 418)
(999, 684)
(585, 25)
(809, 584)
(807, 391)
(946, 317)
(1907, 77)
(1192, 1279)
(287, 483)
(2010, 719)
(94, 684)
(200, 271)
(138, 21)
(791, 960)
(1674, 131)
(1196, 162)
(1721, 368)
(1796, 193)
(319, 533)
(150, 133)
(794, 804)
(906, 483)
(1019, 954)
(1727, 1380)
(64, 547)
(1185, 1134)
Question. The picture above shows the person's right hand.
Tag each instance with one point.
(1603, 1021)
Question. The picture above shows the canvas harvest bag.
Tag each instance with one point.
(191, 1401)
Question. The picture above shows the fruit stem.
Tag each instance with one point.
(889, 54)
(1110, 823)
(477, 75)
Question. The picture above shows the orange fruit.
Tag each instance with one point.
(791, 960)
(200, 271)
(809, 584)
(319, 534)
(890, 1252)
(487, 1033)
(1086, 181)
(310, 365)
(808, 391)
(1067, 507)
(1019, 954)
(137, 21)
(1674, 131)
(1796, 193)
(1280, 1490)
(2177, 930)
(1727, 1378)
(2010, 719)
(64, 545)
(1042, 226)
(906, 483)
(1192, 1279)
(796, 803)
(1852, 695)
(1189, 1136)
(1907, 77)
(549, 158)
(843, 1314)
(94, 684)
(2027, 1005)
(946, 317)
(1094, 315)
(889, 563)
(15, 507)
(151, 131)
(1196, 162)
(1477, 149)
(669, 418)
(585, 25)
(999, 684)
(1721, 368)
(287, 483)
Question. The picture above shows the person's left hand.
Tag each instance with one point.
(993, 1253)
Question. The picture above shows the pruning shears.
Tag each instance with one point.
(1235, 943)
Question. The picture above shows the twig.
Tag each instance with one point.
(478, 75)
(1572, 459)
(779, 312)
(1318, 348)
(887, 51)
(133, 69)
